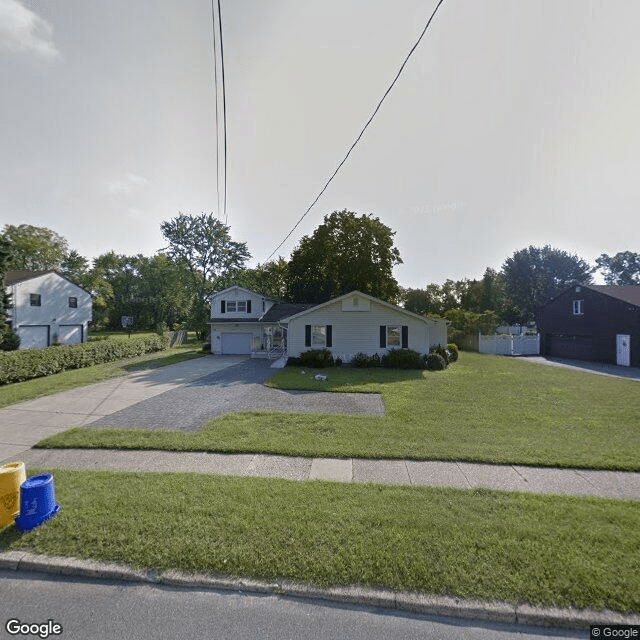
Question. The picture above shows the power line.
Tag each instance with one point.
(333, 175)
(224, 111)
(215, 82)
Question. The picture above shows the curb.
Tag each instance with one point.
(383, 598)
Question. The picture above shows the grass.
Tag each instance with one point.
(481, 409)
(38, 387)
(554, 551)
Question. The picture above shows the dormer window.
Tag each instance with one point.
(242, 306)
(231, 306)
(578, 307)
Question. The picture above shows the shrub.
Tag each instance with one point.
(434, 362)
(452, 348)
(9, 341)
(16, 366)
(441, 351)
(363, 361)
(206, 347)
(316, 358)
(402, 359)
(293, 361)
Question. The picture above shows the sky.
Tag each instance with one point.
(514, 123)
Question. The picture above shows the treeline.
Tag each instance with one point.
(346, 252)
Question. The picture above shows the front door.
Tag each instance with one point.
(623, 344)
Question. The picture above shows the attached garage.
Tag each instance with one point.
(70, 333)
(236, 343)
(569, 346)
(33, 337)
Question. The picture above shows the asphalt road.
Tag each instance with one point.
(87, 609)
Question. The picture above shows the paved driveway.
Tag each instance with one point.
(236, 388)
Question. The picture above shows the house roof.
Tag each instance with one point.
(364, 295)
(17, 276)
(282, 310)
(13, 277)
(627, 292)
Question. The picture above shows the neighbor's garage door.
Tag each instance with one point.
(577, 347)
(70, 333)
(34, 337)
(236, 343)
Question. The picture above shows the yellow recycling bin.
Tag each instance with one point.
(12, 475)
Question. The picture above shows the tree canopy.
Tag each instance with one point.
(535, 275)
(204, 246)
(35, 248)
(622, 268)
(344, 253)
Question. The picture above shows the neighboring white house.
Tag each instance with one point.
(245, 322)
(357, 322)
(47, 308)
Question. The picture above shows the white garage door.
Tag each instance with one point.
(34, 337)
(236, 343)
(70, 333)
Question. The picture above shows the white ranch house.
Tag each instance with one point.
(47, 308)
(245, 322)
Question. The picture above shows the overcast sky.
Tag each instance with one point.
(514, 123)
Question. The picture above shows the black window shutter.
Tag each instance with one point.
(383, 336)
(405, 336)
(307, 335)
(222, 306)
(248, 306)
(329, 335)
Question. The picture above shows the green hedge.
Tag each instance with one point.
(16, 366)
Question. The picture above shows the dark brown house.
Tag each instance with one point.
(600, 323)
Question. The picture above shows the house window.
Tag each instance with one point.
(35, 299)
(318, 336)
(393, 336)
(73, 303)
(242, 306)
(231, 306)
(578, 307)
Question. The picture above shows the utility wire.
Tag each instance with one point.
(333, 175)
(215, 83)
(224, 111)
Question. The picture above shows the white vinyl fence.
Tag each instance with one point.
(510, 345)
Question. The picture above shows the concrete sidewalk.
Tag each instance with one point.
(463, 475)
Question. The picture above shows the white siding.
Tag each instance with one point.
(217, 329)
(54, 311)
(359, 331)
(238, 294)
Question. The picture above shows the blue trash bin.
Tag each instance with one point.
(37, 501)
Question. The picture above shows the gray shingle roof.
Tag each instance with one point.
(627, 292)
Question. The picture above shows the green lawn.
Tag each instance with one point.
(38, 387)
(482, 409)
(544, 550)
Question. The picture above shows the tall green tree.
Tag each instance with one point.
(8, 339)
(35, 248)
(535, 275)
(344, 253)
(203, 244)
(269, 279)
(622, 268)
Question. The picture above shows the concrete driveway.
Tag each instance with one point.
(181, 396)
